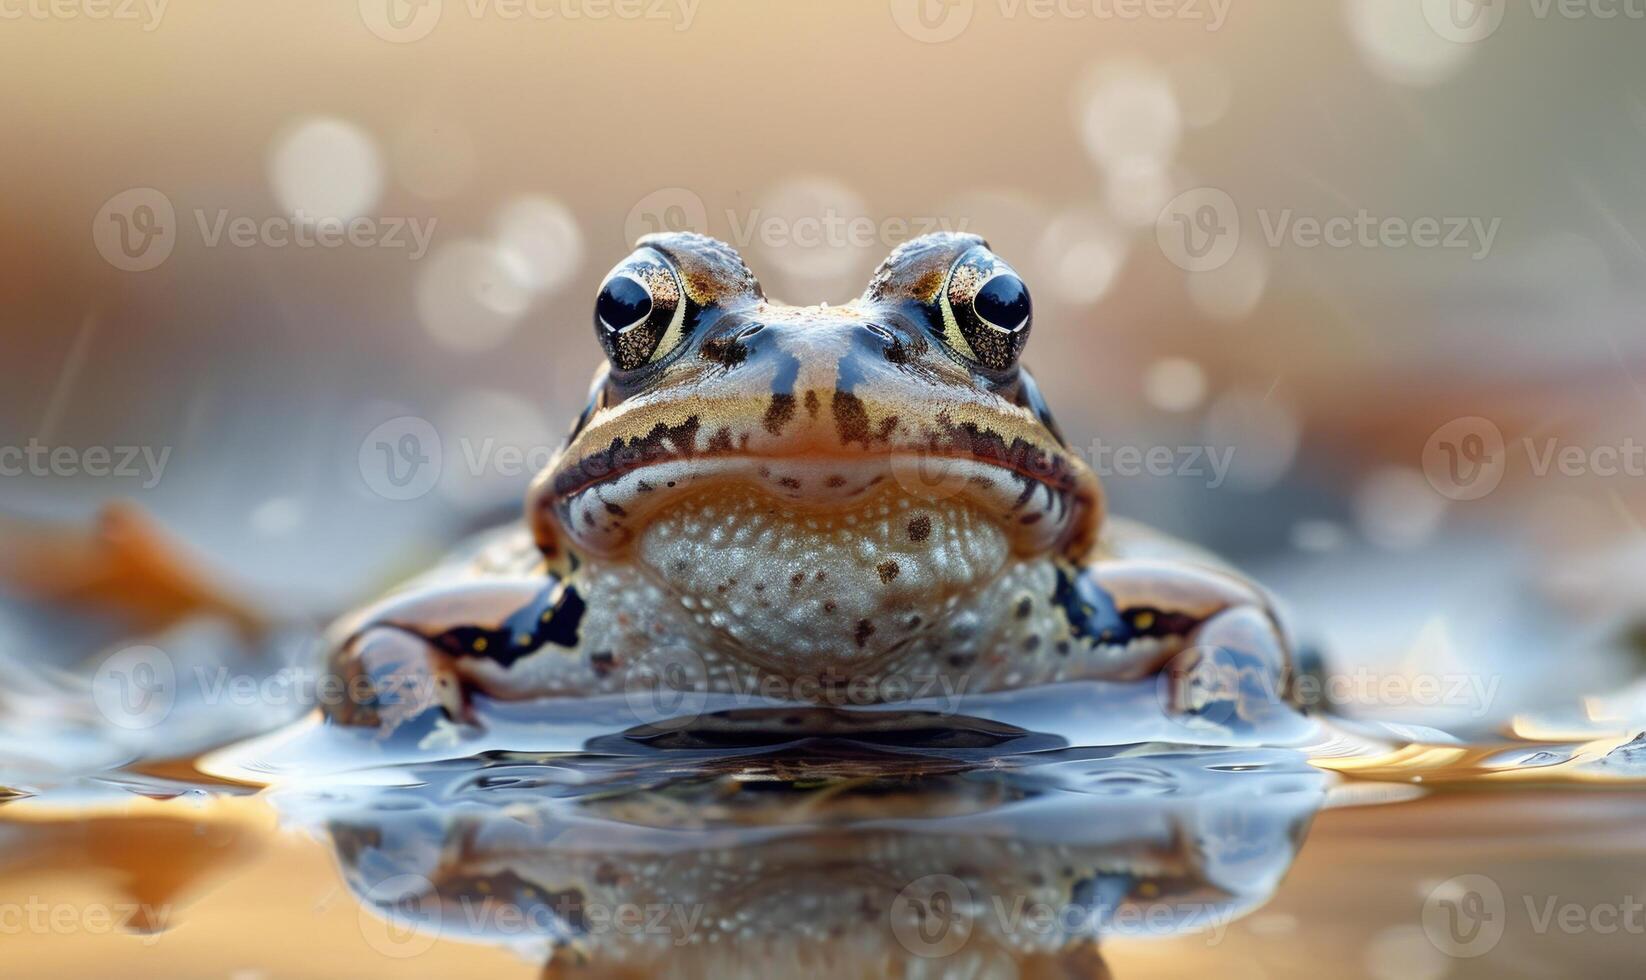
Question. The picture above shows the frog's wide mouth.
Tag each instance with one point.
(1038, 513)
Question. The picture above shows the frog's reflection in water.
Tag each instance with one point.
(829, 859)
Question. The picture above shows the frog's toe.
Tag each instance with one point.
(390, 677)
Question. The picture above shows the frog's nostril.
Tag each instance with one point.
(880, 331)
(750, 331)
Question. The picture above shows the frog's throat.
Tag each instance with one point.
(1051, 512)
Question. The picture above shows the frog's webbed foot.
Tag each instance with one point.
(1212, 639)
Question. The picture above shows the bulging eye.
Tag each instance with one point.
(623, 304)
(986, 310)
(1003, 303)
(639, 315)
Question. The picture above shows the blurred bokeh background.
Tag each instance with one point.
(258, 243)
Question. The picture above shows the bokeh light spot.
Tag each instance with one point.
(469, 296)
(326, 168)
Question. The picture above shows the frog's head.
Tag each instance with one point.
(902, 418)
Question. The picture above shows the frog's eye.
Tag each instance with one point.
(986, 310)
(640, 314)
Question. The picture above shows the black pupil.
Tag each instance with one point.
(1003, 302)
(623, 303)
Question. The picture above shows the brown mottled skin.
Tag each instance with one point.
(758, 492)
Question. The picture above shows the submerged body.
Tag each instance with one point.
(797, 501)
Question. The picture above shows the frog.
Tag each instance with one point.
(801, 501)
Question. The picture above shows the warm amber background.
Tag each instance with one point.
(264, 368)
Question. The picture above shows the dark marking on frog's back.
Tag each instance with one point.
(728, 352)
(779, 411)
(851, 419)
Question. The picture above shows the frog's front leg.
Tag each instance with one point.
(424, 649)
(1207, 634)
